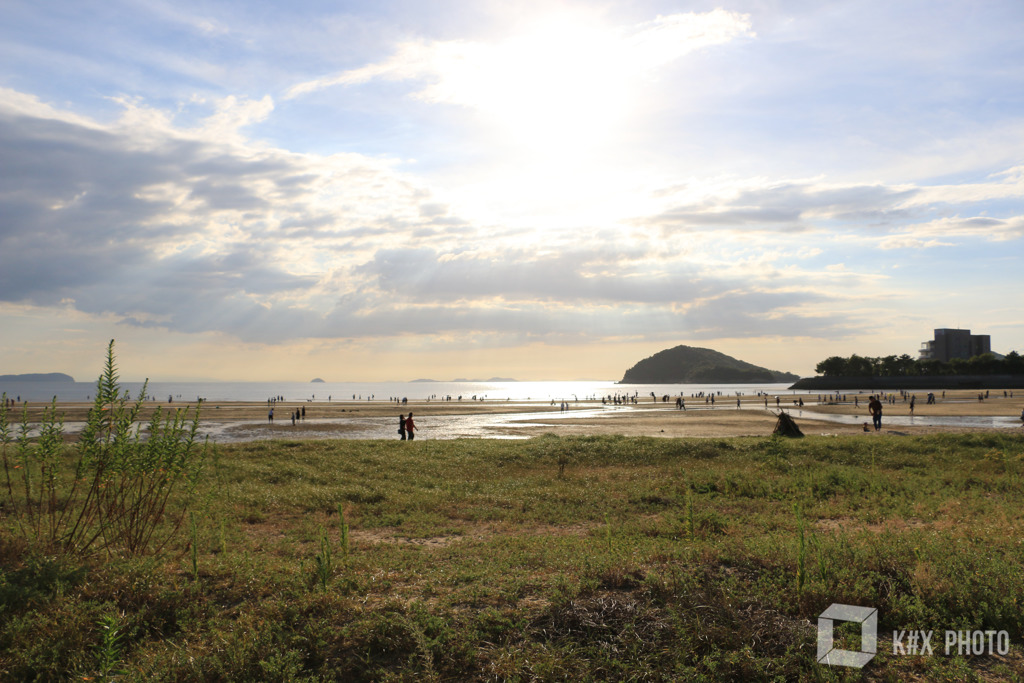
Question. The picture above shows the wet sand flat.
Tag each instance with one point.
(240, 421)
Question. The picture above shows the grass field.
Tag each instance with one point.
(554, 558)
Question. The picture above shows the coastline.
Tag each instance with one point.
(233, 421)
(955, 382)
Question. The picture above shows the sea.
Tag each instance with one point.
(382, 391)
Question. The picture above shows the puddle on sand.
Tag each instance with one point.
(438, 427)
(977, 421)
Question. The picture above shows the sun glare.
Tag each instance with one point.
(559, 86)
(554, 87)
(568, 80)
(558, 99)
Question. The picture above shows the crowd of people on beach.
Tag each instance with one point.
(875, 404)
(434, 397)
(619, 399)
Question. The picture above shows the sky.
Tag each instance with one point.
(547, 190)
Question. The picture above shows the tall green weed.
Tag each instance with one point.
(120, 489)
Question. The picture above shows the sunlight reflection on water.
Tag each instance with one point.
(501, 425)
(498, 426)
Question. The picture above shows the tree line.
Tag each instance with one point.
(907, 366)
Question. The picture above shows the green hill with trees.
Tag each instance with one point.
(695, 365)
(906, 366)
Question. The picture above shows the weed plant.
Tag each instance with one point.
(120, 489)
(109, 650)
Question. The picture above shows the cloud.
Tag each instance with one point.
(790, 206)
(199, 229)
(749, 314)
(562, 87)
(985, 227)
(569, 276)
(196, 230)
(671, 37)
(571, 295)
(891, 216)
(904, 242)
(1007, 184)
(560, 50)
(188, 227)
(739, 314)
(172, 13)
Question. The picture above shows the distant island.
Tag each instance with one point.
(694, 365)
(316, 381)
(38, 377)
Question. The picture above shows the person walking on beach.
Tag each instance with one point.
(875, 408)
(410, 428)
(401, 427)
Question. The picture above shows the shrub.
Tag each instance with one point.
(122, 488)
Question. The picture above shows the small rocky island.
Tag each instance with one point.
(38, 377)
(695, 365)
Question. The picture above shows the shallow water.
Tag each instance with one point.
(979, 421)
(438, 427)
(357, 392)
(498, 425)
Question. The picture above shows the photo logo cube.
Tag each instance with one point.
(867, 617)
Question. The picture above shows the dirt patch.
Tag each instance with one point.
(379, 537)
(893, 525)
(472, 533)
(286, 527)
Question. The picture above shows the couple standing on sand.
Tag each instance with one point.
(406, 426)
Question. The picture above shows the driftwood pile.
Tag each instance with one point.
(785, 426)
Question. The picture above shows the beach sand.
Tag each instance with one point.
(248, 420)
